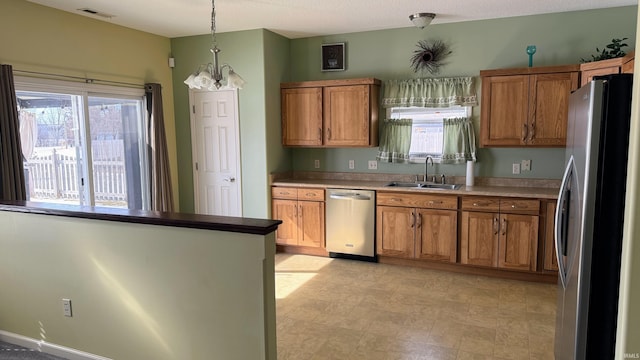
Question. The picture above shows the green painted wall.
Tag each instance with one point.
(42, 39)
(249, 52)
(561, 38)
(277, 64)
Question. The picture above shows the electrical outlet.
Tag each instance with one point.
(66, 307)
(516, 168)
(316, 164)
(352, 164)
(373, 165)
(526, 165)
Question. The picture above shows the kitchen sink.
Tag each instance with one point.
(422, 185)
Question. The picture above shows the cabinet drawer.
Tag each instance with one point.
(480, 204)
(417, 200)
(311, 194)
(436, 202)
(284, 193)
(520, 206)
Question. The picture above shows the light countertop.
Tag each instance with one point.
(484, 190)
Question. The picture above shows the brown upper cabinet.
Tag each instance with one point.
(330, 113)
(526, 107)
(621, 65)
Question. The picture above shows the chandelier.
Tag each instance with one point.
(209, 76)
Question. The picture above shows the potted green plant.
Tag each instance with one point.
(610, 51)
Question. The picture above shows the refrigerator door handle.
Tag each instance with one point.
(561, 217)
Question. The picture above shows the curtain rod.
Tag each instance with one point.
(83, 79)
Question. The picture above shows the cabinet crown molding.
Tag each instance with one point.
(340, 82)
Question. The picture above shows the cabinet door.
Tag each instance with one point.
(504, 110)
(395, 231)
(346, 115)
(518, 242)
(587, 75)
(311, 223)
(287, 211)
(479, 238)
(549, 109)
(436, 235)
(550, 260)
(302, 116)
(627, 67)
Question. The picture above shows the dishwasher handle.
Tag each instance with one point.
(349, 196)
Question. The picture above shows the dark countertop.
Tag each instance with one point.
(194, 221)
(503, 191)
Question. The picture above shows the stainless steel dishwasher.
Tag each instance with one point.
(350, 229)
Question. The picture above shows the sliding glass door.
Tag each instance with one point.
(84, 148)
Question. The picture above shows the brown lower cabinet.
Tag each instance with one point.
(417, 226)
(498, 232)
(302, 214)
(491, 232)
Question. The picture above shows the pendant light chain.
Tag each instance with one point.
(209, 76)
(213, 24)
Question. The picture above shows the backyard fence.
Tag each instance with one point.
(55, 176)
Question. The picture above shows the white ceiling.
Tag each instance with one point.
(304, 18)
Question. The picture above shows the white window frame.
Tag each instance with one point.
(422, 116)
(86, 90)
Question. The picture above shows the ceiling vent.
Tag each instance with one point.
(96, 13)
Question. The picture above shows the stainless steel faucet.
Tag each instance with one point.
(426, 169)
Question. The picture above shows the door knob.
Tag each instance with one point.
(230, 179)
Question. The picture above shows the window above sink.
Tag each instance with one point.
(427, 131)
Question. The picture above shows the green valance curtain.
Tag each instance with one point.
(430, 92)
(459, 144)
(395, 140)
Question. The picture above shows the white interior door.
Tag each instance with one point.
(215, 139)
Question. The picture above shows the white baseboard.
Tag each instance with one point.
(48, 348)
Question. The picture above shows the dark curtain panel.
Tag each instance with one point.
(11, 166)
(161, 193)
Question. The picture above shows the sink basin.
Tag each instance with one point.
(440, 186)
(423, 185)
(404, 184)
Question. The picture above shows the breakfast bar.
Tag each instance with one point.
(142, 285)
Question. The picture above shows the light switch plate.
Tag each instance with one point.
(352, 164)
(526, 165)
(316, 164)
(516, 168)
(66, 307)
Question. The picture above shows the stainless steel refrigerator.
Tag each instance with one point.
(589, 218)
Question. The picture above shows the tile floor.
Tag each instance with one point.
(344, 309)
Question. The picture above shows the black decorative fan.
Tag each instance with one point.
(429, 56)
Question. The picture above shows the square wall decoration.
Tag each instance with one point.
(333, 57)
